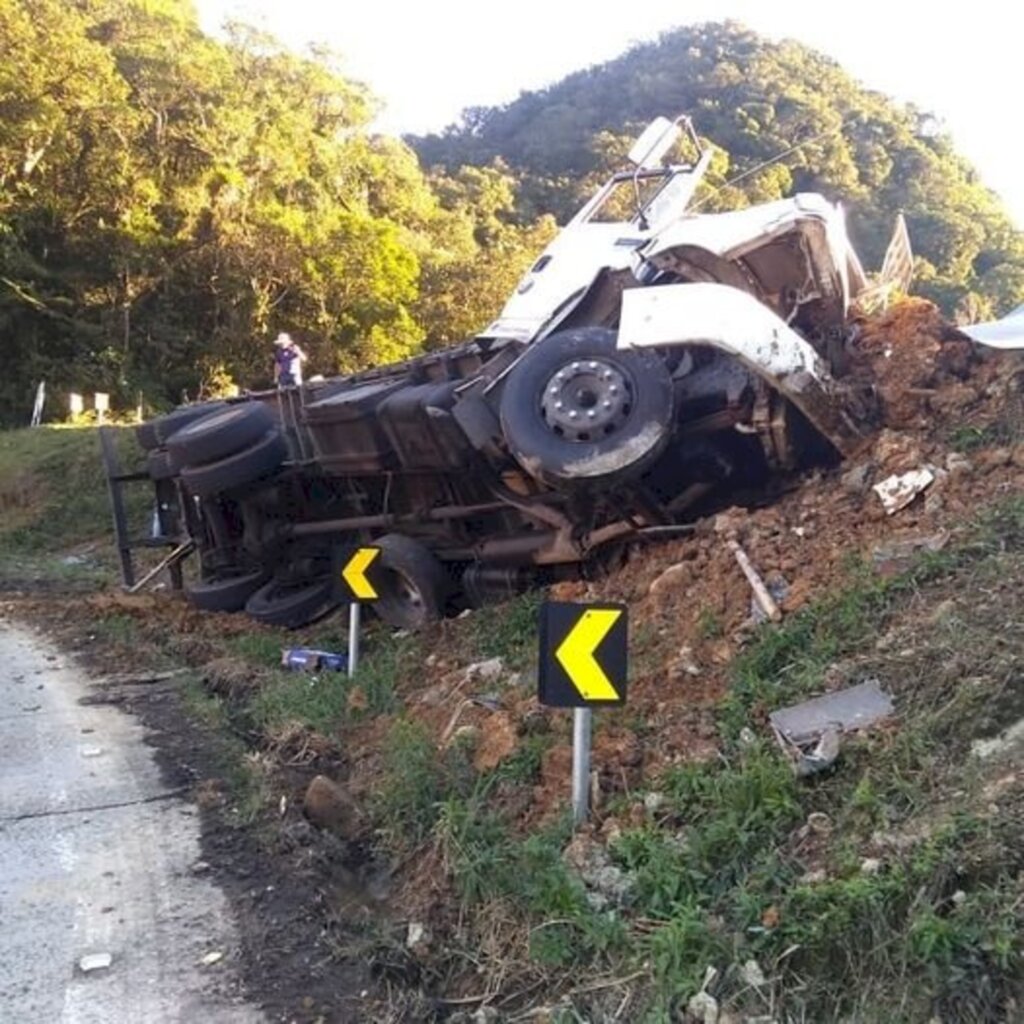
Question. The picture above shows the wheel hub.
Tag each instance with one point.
(586, 400)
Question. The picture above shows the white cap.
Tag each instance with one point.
(283, 339)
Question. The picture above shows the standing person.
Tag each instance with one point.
(288, 360)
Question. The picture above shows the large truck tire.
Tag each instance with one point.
(154, 433)
(220, 434)
(227, 593)
(577, 411)
(414, 584)
(257, 462)
(292, 605)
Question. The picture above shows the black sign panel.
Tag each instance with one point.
(583, 654)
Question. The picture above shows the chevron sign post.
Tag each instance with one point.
(583, 664)
(358, 578)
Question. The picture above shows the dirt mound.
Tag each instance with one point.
(691, 608)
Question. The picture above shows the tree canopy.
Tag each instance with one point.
(754, 100)
(169, 201)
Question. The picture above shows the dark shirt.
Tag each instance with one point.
(289, 364)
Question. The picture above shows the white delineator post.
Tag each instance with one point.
(582, 724)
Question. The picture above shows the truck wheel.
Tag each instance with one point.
(292, 605)
(156, 432)
(245, 467)
(414, 584)
(225, 593)
(218, 435)
(576, 410)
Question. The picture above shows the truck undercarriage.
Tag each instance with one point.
(646, 370)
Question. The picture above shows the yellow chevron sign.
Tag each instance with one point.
(354, 574)
(583, 654)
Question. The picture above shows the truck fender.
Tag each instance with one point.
(739, 325)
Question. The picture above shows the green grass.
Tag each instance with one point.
(245, 779)
(316, 700)
(507, 631)
(718, 877)
(323, 701)
(53, 494)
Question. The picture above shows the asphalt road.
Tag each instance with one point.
(98, 859)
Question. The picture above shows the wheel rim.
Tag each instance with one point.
(586, 400)
(405, 592)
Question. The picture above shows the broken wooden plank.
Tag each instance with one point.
(761, 593)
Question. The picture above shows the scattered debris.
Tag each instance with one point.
(95, 962)
(488, 701)
(307, 659)
(957, 464)
(870, 866)
(90, 751)
(753, 975)
(653, 802)
(853, 708)
(686, 663)
(211, 958)
(761, 592)
(485, 671)
(748, 738)
(903, 549)
(823, 754)
(900, 489)
(986, 748)
(778, 587)
(703, 1007)
(417, 938)
(606, 883)
(809, 732)
(819, 823)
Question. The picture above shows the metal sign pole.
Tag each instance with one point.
(582, 722)
(353, 638)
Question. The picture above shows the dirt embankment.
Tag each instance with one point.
(947, 407)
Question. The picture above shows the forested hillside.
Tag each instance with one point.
(168, 202)
(756, 99)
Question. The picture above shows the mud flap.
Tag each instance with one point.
(737, 324)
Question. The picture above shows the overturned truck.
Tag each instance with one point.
(653, 362)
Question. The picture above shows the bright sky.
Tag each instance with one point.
(429, 60)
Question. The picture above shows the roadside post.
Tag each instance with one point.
(359, 583)
(583, 665)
